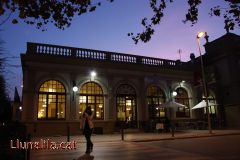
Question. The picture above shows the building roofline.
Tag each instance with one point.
(98, 55)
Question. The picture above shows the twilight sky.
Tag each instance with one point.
(107, 28)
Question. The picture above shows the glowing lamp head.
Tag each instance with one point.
(93, 74)
(75, 89)
(200, 34)
(174, 93)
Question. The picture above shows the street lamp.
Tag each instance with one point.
(199, 35)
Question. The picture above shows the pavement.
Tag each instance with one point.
(178, 135)
(111, 146)
(144, 137)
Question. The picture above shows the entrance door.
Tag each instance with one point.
(126, 110)
(129, 112)
(126, 106)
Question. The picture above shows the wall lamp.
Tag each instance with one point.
(93, 75)
(74, 89)
(174, 93)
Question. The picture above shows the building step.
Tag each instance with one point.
(132, 130)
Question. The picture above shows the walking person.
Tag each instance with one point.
(87, 126)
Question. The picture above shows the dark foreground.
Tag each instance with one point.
(205, 148)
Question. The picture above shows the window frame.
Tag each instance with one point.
(126, 97)
(127, 92)
(181, 100)
(57, 94)
(95, 100)
(211, 98)
(150, 98)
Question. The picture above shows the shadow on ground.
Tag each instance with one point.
(85, 157)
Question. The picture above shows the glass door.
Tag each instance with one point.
(126, 110)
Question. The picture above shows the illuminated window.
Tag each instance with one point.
(182, 98)
(212, 109)
(51, 100)
(91, 94)
(155, 97)
(126, 104)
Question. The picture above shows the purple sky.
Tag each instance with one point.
(107, 28)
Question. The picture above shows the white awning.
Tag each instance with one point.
(203, 104)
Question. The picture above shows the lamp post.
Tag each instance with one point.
(172, 125)
(199, 35)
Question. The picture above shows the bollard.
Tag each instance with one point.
(172, 132)
(122, 131)
(68, 133)
(28, 150)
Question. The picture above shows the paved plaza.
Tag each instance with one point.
(141, 146)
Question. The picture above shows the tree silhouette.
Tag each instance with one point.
(231, 15)
(42, 12)
(61, 12)
(5, 105)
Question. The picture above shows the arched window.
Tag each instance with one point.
(91, 94)
(126, 104)
(155, 97)
(182, 98)
(52, 100)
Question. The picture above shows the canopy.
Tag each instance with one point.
(171, 104)
(203, 104)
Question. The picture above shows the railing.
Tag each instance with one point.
(56, 50)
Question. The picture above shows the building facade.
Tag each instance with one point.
(223, 65)
(120, 88)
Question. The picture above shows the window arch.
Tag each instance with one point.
(182, 97)
(126, 89)
(155, 97)
(91, 94)
(52, 100)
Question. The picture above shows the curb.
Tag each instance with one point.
(184, 137)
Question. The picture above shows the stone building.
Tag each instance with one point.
(121, 89)
(223, 63)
